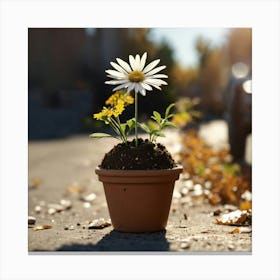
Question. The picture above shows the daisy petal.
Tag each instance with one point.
(146, 86)
(158, 76)
(124, 65)
(118, 67)
(114, 77)
(154, 71)
(116, 82)
(137, 88)
(116, 74)
(137, 62)
(132, 62)
(151, 66)
(154, 85)
(143, 61)
(121, 86)
(159, 88)
(131, 87)
(155, 81)
(143, 91)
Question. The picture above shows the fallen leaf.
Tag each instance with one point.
(35, 182)
(214, 199)
(42, 227)
(245, 205)
(234, 231)
(235, 218)
(75, 188)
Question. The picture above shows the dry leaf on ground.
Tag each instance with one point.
(42, 227)
(235, 218)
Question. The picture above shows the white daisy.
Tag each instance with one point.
(135, 76)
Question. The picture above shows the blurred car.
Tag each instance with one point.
(239, 113)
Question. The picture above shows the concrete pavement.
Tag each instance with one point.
(64, 170)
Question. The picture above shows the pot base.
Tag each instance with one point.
(139, 201)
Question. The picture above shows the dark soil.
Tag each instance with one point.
(145, 156)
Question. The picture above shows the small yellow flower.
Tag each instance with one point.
(119, 108)
(98, 116)
(105, 113)
(119, 95)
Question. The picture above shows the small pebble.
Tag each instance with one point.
(176, 194)
(51, 211)
(198, 190)
(184, 191)
(216, 212)
(67, 204)
(66, 228)
(86, 204)
(188, 184)
(57, 207)
(31, 220)
(185, 245)
(90, 197)
(38, 209)
(99, 224)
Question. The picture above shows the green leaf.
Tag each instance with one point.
(168, 109)
(158, 133)
(157, 116)
(131, 123)
(152, 125)
(170, 124)
(145, 127)
(169, 116)
(232, 168)
(123, 127)
(99, 135)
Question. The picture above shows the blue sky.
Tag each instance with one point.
(183, 41)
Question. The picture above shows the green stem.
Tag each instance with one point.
(136, 117)
(122, 132)
(113, 124)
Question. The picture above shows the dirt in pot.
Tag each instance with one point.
(145, 156)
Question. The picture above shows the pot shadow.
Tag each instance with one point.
(120, 241)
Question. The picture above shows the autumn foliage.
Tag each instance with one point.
(223, 181)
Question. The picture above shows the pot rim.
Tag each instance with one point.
(130, 173)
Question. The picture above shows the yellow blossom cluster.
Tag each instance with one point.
(118, 96)
(117, 102)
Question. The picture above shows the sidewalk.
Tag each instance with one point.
(64, 169)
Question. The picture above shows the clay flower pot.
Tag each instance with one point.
(139, 200)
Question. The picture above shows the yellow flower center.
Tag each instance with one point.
(136, 76)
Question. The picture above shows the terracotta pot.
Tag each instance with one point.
(139, 200)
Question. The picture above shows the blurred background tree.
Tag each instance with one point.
(66, 74)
